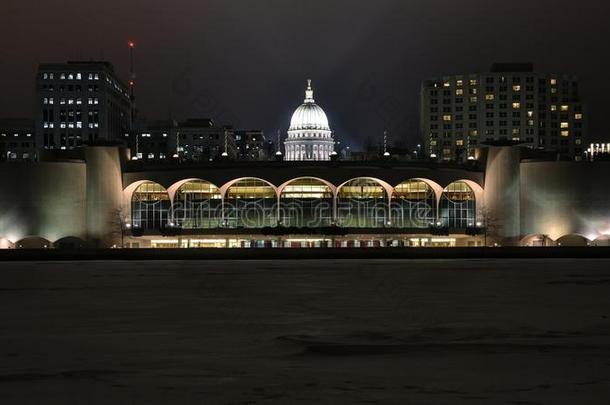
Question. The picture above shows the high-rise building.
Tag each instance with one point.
(17, 140)
(78, 102)
(511, 102)
(309, 136)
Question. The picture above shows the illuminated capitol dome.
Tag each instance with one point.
(309, 136)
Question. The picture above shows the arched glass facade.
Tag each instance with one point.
(250, 203)
(458, 206)
(198, 205)
(306, 203)
(150, 206)
(362, 203)
(413, 205)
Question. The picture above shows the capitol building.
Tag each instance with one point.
(309, 136)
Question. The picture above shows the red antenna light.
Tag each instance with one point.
(131, 44)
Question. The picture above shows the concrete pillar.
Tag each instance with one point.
(104, 196)
(502, 209)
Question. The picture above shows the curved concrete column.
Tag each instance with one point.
(104, 196)
(502, 207)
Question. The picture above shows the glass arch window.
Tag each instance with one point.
(458, 206)
(198, 205)
(306, 203)
(150, 206)
(250, 203)
(362, 203)
(413, 205)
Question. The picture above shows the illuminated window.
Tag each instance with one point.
(530, 123)
(362, 203)
(306, 202)
(413, 205)
(516, 131)
(473, 82)
(198, 205)
(553, 82)
(459, 92)
(446, 117)
(457, 206)
(517, 87)
(250, 203)
(459, 142)
(530, 114)
(473, 132)
(516, 106)
(565, 133)
(460, 83)
(447, 84)
(565, 107)
(473, 99)
(150, 205)
(577, 116)
(553, 107)
(490, 97)
(565, 125)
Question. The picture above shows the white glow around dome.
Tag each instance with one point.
(309, 115)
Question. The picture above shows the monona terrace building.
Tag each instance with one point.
(105, 200)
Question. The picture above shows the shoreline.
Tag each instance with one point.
(305, 253)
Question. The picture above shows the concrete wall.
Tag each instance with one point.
(42, 199)
(562, 198)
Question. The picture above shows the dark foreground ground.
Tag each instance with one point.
(493, 331)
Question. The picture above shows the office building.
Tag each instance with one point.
(17, 140)
(80, 102)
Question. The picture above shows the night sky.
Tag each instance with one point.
(246, 62)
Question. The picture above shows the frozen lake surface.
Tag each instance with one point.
(261, 332)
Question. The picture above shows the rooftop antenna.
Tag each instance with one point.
(132, 80)
(137, 147)
(225, 153)
(334, 152)
(278, 148)
(385, 144)
(177, 155)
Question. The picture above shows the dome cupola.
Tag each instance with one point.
(309, 115)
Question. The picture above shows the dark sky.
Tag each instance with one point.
(247, 61)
